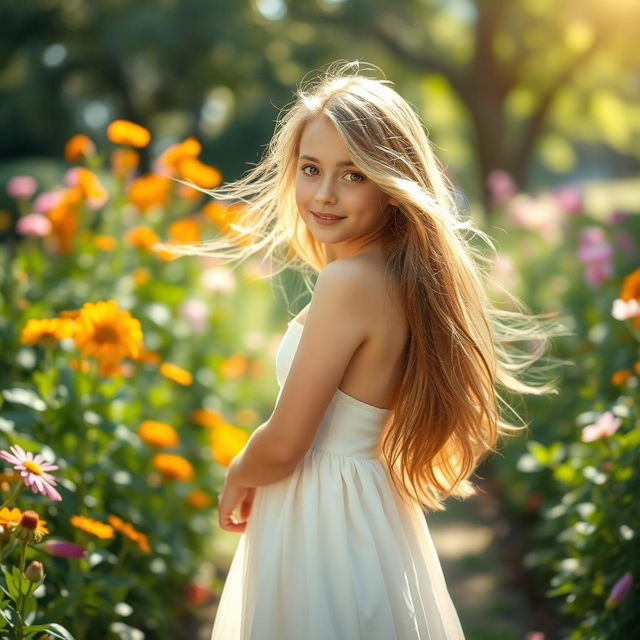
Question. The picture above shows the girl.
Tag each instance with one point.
(388, 378)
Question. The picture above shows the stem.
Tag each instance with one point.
(16, 490)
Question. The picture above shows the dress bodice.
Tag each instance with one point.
(349, 427)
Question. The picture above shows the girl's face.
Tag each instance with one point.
(328, 183)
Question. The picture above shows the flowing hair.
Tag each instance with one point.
(448, 413)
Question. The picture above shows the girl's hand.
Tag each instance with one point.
(232, 496)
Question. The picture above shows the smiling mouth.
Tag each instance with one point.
(326, 216)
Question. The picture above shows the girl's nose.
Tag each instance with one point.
(325, 192)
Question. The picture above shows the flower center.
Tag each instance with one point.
(32, 466)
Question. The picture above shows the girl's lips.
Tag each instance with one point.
(326, 219)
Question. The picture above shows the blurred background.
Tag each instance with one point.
(534, 108)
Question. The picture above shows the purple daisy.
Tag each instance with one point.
(33, 471)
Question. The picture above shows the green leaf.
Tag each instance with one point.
(539, 452)
(54, 630)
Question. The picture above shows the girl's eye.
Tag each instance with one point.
(359, 176)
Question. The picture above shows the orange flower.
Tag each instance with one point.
(169, 159)
(206, 417)
(78, 148)
(189, 193)
(226, 442)
(200, 174)
(152, 357)
(104, 243)
(187, 230)
(175, 373)
(636, 367)
(6, 220)
(158, 434)
(94, 527)
(124, 162)
(106, 332)
(128, 134)
(199, 499)
(141, 276)
(149, 191)
(64, 219)
(142, 237)
(219, 214)
(6, 478)
(234, 367)
(9, 518)
(80, 365)
(246, 416)
(46, 331)
(173, 466)
(164, 255)
(130, 532)
(620, 376)
(631, 291)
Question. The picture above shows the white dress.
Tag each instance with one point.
(331, 552)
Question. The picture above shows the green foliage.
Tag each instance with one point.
(579, 497)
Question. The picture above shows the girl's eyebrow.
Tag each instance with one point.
(344, 163)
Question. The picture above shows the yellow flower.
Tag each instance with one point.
(175, 373)
(104, 243)
(9, 518)
(200, 174)
(106, 332)
(158, 434)
(128, 133)
(94, 527)
(130, 532)
(173, 466)
(78, 148)
(226, 442)
(199, 499)
(47, 331)
(149, 190)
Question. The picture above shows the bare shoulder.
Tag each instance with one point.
(355, 286)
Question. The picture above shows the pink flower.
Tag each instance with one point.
(33, 471)
(625, 309)
(21, 186)
(34, 224)
(606, 425)
(596, 252)
(501, 186)
(47, 200)
(619, 590)
(218, 279)
(534, 635)
(617, 216)
(195, 312)
(63, 549)
(625, 242)
(570, 199)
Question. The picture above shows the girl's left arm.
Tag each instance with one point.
(260, 462)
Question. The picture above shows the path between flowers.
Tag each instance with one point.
(468, 537)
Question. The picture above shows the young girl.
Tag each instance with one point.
(388, 378)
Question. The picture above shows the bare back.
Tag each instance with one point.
(375, 371)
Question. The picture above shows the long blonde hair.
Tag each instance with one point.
(446, 415)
